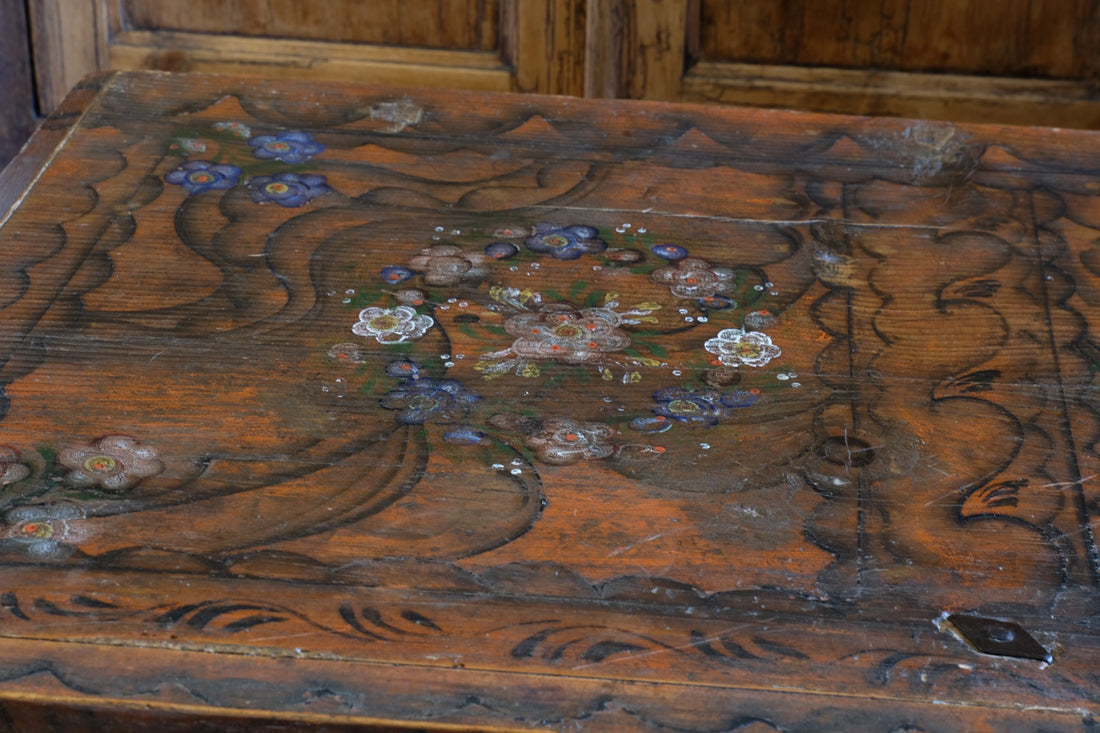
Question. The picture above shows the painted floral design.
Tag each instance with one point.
(404, 369)
(734, 346)
(239, 129)
(701, 406)
(288, 189)
(43, 531)
(410, 297)
(197, 176)
(189, 145)
(760, 319)
(464, 435)
(12, 468)
(670, 251)
(445, 264)
(426, 400)
(286, 147)
(626, 256)
(563, 441)
(348, 353)
(501, 250)
(395, 274)
(694, 278)
(564, 320)
(392, 325)
(113, 463)
(567, 334)
(513, 231)
(716, 302)
(567, 242)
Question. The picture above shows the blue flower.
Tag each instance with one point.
(565, 243)
(286, 147)
(501, 250)
(671, 252)
(464, 435)
(699, 407)
(651, 424)
(197, 176)
(428, 400)
(395, 274)
(287, 189)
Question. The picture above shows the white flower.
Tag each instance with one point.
(392, 325)
(734, 347)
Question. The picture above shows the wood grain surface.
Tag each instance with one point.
(361, 407)
(1015, 38)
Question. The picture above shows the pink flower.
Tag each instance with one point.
(564, 333)
(12, 468)
(445, 264)
(563, 441)
(693, 278)
(114, 463)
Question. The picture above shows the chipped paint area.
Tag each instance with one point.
(399, 113)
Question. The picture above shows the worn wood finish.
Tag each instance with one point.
(341, 405)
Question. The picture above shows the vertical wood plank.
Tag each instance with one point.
(544, 41)
(69, 41)
(603, 45)
(637, 49)
(16, 84)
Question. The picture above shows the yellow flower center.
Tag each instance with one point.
(100, 464)
(383, 323)
(37, 530)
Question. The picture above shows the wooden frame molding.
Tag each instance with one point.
(541, 49)
(1055, 103)
(641, 49)
(203, 53)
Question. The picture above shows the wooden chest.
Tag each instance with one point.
(355, 407)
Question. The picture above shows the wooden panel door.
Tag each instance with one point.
(499, 45)
(1012, 61)
(1017, 61)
